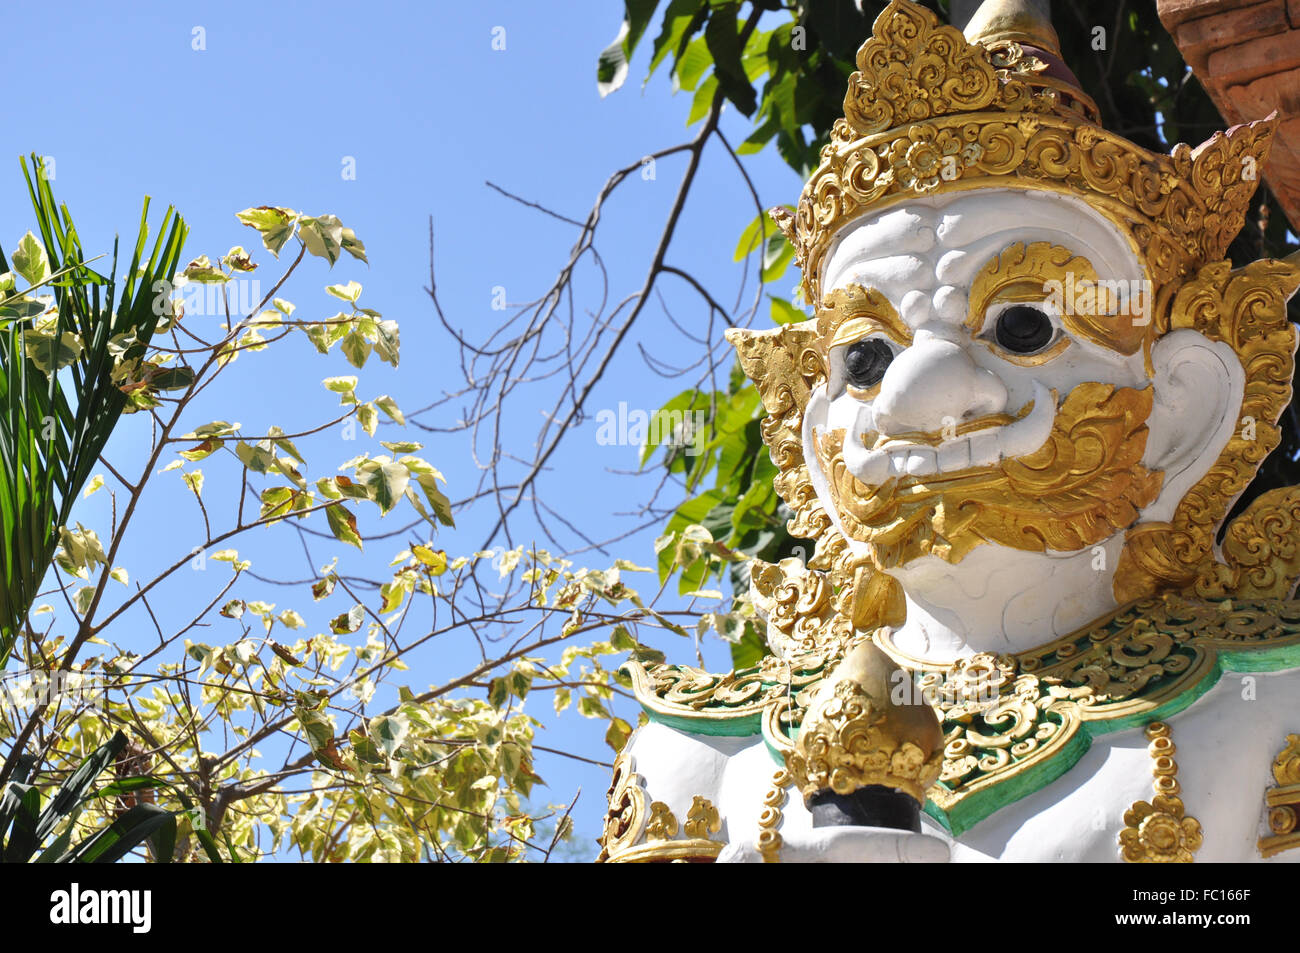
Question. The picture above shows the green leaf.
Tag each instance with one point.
(353, 246)
(387, 341)
(356, 349)
(695, 59)
(752, 238)
(702, 101)
(389, 406)
(348, 622)
(275, 225)
(390, 731)
(323, 236)
(723, 40)
(618, 733)
(20, 307)
(257, 458)
(29, 259)
(681, 19)
(343, 524)
(437, 499)
(434, 559)
(23, 803)
(276, 500)
(78, 783)
(51, 352)
(611, 68)
(783, 312)
(172, 378)
(341, 385)
(776, 257)
(385, 482)
(348, 292)
(284, 443)
(140, 823)
(85, 595)
(203, 271)
(368, 417)
(749, 650)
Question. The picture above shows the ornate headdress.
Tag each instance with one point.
(930, 110)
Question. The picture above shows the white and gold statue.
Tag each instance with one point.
(1031, 392)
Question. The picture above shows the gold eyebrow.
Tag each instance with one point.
(1022, 272)
(849, 314)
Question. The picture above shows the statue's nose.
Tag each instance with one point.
(932, 385)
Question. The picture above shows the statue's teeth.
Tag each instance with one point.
(920, 462)
(985, 448)
(954, 455)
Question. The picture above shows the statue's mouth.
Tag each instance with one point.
(873, 458)
(1054, 478)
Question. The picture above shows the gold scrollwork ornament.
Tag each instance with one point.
(638, 830)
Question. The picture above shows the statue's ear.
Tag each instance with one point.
(1223, 375)
(1199, 386)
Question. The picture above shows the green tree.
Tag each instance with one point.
(239, 730)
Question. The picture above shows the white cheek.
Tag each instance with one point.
(844, 414)
(1079, 363)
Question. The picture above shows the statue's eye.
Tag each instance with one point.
(1023, 329)
(865, 362)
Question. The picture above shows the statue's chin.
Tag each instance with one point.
(1003, 600)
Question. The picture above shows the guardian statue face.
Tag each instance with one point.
(1026, 338)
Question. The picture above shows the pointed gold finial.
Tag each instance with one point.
(1019, 21)
(863, 729)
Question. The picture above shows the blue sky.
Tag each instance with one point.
(268, 112)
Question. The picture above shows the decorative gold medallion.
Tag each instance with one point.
(1283, 801)
(1158, 831)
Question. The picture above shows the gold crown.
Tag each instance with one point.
(930, 111)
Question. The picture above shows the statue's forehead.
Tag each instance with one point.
(929, 243)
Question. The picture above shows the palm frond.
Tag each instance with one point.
(55, 424)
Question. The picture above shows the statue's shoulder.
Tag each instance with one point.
(1157, 650)
(1015, 723)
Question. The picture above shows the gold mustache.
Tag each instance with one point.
(1081, 487)
(932, 438)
